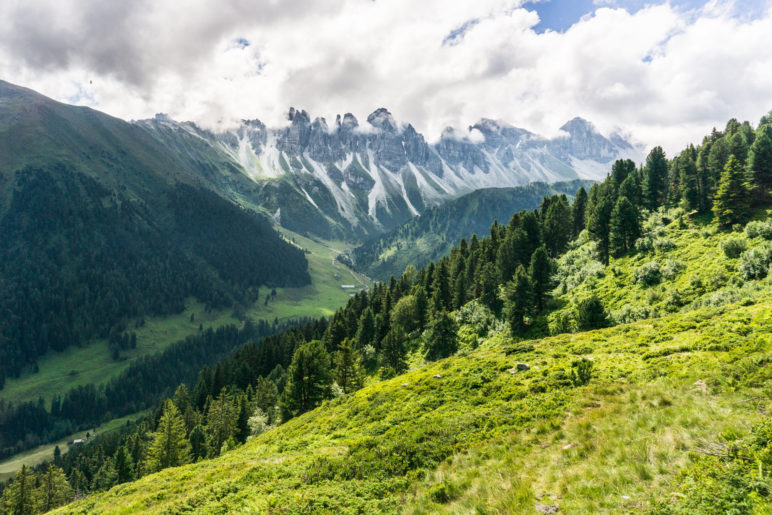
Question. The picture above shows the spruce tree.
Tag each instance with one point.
(198, 445)
(366, 331)
(241, 429)
(599, 226)
(106, 477)
(54, 489)
(625, 227)
(393, 352)
(19, 497)
(591, 314)
(540, 273)
(731, 203)
(220, 418)
(489, 288)
(124, 465)
(348, 371)
(518, 300)
(760, 164)
(308, 380)
(441, 337)
(557, 226)
(655, 175)
(170, 446)
(578, 212)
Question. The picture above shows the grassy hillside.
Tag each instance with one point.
(482, 437)
(671, 418)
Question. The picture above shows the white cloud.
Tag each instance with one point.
(661, 74)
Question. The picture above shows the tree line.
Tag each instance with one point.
(79, 259)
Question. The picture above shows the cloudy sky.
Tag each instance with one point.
(665, 72)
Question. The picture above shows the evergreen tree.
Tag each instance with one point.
(19, 497)
(348, 371)
(760, 164)
(170, 447)
(655, 178)
(579, 210)
(393, 351)
(687, 170)
(308, 380)
(241, 429)
(625, 227)
(441, 295)
(220, 422)
(198, 445)
(266, 396)
(731, 203)
(124, 465)
(106, 477)
(366, 330)
(591, 314)
(599, 226)
(540, 273)
(518, 300)
(631, 189)
(54, 489)
(441, 338)
(557, 226)
(489, 288)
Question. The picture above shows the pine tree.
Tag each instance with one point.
(518, 300)
(625, 227)
(591, 314)
(760, 164)
(124, 465)
(198, 445)
(266, 395)
(441, 338)
(441, 295)
(579, 210)
(348, 371)
(54, 489)
(731, 203)
(557, 226)
(687, 170)
(106, 477)
(655, 175)
(241, 429)
(19, 497)
(599, 227)
(489, 288)
(393, 351)
(170, 447)
(540, 273)
(308, 380)
(366, 332)
(220, 422)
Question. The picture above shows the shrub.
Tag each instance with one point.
(632, 314)
(590, 314)
(581, 372)
(672, 268)
(664, 244)
(648, 274)
(763, 229)
(562, 322)
(754, 263)
(734, 246)
(644, 244)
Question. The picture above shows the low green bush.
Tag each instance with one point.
(648, 274)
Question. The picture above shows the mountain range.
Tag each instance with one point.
(350, 180)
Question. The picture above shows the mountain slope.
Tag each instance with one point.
(350, 180)
(98, 224)
(472, 432)
(431, 235)
(375, 450)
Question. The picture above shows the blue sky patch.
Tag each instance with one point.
(560, 15)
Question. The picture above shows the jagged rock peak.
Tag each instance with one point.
(578, 125)
(298, 116)
(349, 121)
(382, 119)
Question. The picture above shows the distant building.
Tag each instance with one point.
(348, 286)
(79, 441)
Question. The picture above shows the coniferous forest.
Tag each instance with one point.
(509, 274)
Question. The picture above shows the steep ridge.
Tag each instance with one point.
(432, 234)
